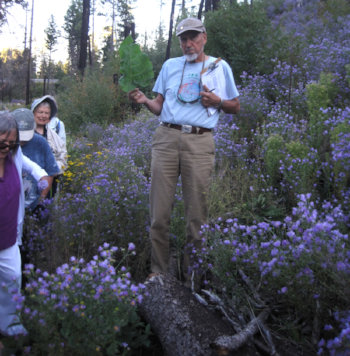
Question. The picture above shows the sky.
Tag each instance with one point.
(146, 12)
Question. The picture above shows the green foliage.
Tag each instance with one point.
(156, 53)
(320, 96)
(13, 67)
(291, 167)
(275, 152)
(297, 149)
(52, 34)
(336, 8)
(5, 5)
(340, 167)
(94, 99)
(235, 29)
(302, 175)
(347, 67)
(135, 67)
(177, 231)
(72, 25)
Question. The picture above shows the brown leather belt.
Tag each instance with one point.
(187, 128)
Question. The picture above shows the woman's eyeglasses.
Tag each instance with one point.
(10, 146)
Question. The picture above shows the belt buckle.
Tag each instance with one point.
(186, 129)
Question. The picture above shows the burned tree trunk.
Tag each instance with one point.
(84, 36)
(167, 55)
(183, 325)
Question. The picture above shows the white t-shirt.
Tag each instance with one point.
(180, 81)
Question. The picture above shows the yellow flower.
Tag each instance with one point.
(116, 328)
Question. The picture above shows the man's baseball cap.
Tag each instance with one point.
(190, 24)
(25, 123)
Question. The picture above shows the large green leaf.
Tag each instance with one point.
(135, 66)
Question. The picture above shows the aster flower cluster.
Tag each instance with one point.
(104, 197)
(84, 307)
(287, 261)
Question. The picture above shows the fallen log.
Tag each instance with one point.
(183, 325)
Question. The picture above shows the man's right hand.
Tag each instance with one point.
(154, 105)
(137, 96)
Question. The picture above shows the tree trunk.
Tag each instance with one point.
(200, 10)
(183, 325)
(84, 36)
(29, 64)
(211, 5)
(215, 4)
(167, 55)
(183, 8)
(93, 26)
(113, 28)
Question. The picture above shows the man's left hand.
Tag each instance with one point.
(209, 99)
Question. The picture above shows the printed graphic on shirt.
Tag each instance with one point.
(189, 88)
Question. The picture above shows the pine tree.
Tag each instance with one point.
(52, 34)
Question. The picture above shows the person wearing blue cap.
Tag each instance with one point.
(38, 150)
(183, 144)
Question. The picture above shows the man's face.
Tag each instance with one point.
(192, 44)
(42, 114)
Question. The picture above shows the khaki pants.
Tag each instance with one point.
(176, 153)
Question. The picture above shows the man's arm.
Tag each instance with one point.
(155, 105)
(230, 106)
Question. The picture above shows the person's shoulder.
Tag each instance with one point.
(53, 122)
(174, 60)
(51, 132)
(219, 59)
(38, 139)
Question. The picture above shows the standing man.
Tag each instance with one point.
(183, 144)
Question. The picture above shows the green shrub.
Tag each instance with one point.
(320, 96)
(275, 152)
(94, 99)
(301, 167)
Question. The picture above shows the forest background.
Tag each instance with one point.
(278, 236)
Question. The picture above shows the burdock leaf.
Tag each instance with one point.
(135, 67)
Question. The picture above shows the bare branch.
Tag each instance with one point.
(236, 341)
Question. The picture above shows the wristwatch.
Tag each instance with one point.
(219, 106)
